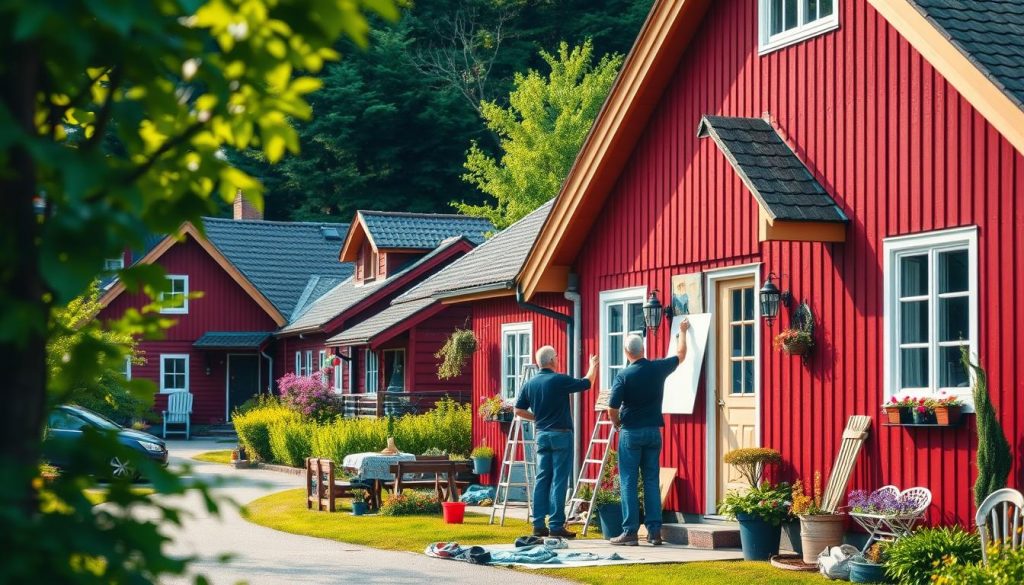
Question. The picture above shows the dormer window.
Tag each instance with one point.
(786, 22)
(113, 264)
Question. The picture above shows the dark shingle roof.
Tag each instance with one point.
(988, 32)
(279, 257)
(421, 231)
(778, 180)
(492, 265)
(232, 340)
(317, 287)
(365, 331)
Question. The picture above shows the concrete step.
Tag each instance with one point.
(702, 535)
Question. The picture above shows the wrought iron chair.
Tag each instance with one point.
(999, 520)
(914, 502)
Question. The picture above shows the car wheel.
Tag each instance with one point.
(121, 468)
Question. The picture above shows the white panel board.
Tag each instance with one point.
(681, 386)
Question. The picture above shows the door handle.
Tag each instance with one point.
(721, 403)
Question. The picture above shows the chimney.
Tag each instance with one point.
(244, 209)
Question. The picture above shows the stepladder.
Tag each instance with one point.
(584, 494)
(518, 469)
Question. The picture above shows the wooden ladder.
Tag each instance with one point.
(520, 440)
(601, 439)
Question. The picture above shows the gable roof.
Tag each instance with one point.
(348, 294)
(491, 266)
(392, 230)
(279, 258)
(782, 185)
(663, 39)
(392, 321)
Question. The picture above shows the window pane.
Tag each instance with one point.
(914, 368)
(615, 357)
(737, 305)
(954, 320)
(748, 340)
(748, 377)
(614, 318)
(636, 317)
(914, 322)
(790, 14)
(748, 304)
(951, 371)
(775, 17)
(736, 332)
(953, 271)
(811, 10)
(168, 381)
(524, 345)
(913, 276)
(737, 377)
(824, 8)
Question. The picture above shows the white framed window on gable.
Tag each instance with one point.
(516, 352)
(785, 22)
(176, 295)
(372, 371)
(622, 313)
(174, 372)
(930, 311)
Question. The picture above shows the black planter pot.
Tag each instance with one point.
(760, 539)
(924, 418)
(792, 530)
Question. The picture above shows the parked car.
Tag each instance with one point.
(66, 423)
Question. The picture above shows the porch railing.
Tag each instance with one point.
(384, 404)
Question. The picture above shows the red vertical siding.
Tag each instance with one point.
(902, 152)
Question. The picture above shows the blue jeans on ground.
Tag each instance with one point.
(554, 464)
(640, 450)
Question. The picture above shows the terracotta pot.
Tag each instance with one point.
(820, 532)
(947, 415)
(893, 412)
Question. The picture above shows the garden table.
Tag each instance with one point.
(374, 468)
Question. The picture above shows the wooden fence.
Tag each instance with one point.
(384, 404)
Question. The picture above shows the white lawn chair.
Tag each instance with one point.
(893, 526)
(999, 520)
(179, 411)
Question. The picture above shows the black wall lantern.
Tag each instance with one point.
(771, 296)
(654, 311)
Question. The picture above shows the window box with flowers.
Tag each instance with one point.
(948, 410)
(898, 410)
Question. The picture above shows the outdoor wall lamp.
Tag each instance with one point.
(654, 311)
(771, 296)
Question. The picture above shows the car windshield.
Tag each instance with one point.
(97, 419)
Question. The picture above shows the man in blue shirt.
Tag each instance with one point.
(545, 400)
(635, 409)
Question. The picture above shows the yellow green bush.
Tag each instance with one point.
(290, 441)
(253, 428)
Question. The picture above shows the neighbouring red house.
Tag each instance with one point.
(867, 154)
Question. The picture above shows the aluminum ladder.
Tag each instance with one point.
(521, 440)
(601, 439)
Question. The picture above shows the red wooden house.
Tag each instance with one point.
(868, 154)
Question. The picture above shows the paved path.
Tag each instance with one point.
(265, 556)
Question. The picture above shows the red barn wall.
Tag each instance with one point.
(902, 152)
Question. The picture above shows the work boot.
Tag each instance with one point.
(563, 533)
(654, 538)
(541, 532)
(625, 539)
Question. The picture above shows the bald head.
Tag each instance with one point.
(546, 357)
(634, 347)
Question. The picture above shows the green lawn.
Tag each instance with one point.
(214, 457)
(287, 511)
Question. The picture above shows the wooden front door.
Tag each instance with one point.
(736, 357)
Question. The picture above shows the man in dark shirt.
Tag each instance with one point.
(635, 409)
(545, 400)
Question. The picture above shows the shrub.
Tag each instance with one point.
(1005, 567)
(410, 502)
(310, 396)
(290, 441)
(767, 502)
(253, 428)
(455, 353)
(913, 559)
(750, 463)
(342, 437)
(482, 451)
(994, 456)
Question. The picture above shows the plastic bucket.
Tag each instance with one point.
(454, 512)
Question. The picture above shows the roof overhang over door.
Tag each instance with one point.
(793, 205)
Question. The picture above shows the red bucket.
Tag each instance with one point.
(454, 512)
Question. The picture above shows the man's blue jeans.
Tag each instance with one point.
(554, 464)
(640, 451)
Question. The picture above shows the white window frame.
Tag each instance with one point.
(298, 363)
(183, 309)
(371, 374)
(322, 360)
(932, 243)
(803, 31)
(516, 329)
(163, 370)
(308, 365)
(389, 360)
(112, 264)
(622, 296)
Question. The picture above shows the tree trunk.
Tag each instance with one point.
(25, 305)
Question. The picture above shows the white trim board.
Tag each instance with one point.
(188, 372)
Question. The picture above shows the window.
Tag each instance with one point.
(298, 363)
(112, 264)
(394, 370)
(174, 373)
(741, 340)
(176, 295)
(339, 377)
(64, 421)
(371, 371)
(516, 351)
(308, 366)
(931, 311)
(621, 314)
(785, 22)
(322, 360)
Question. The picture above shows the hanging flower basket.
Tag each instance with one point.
(794, 342)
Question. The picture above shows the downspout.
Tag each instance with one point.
(270, 371)
(572, 295)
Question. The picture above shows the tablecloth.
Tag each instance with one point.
(375, 465)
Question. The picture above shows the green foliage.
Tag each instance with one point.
(541, 132)
(752, 461)
(913, 559)
(1005, 567)
(768, 502)
(290, 441)
(253, 428)
(454, 354)
(482, 451)
(409, 503)
(994, 455)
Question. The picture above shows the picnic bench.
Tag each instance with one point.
(322, 488)
(447, 488)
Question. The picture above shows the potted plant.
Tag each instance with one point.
(359, 505)
(924, 411)
(947, 410)
(870, 568)
(794, 341)
(760, 512)
(819, 529)
(495, 409)
(609, 510)
(898, 410)
(482, 457)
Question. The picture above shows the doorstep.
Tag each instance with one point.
(702, 535)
